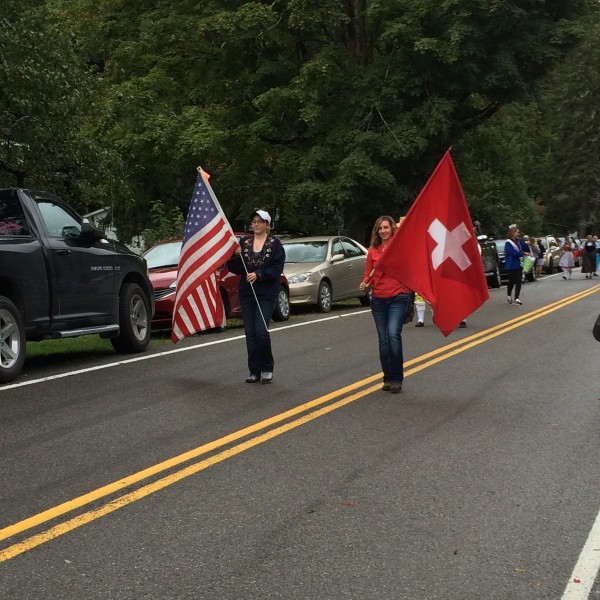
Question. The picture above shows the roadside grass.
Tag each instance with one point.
(92, 345)
(54, 351)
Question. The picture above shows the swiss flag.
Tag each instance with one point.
(435, 251)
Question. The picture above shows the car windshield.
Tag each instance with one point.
(165, 255)
(305, 252)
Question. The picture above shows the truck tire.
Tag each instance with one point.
(134, 320)
(494, 280)
(12, 341)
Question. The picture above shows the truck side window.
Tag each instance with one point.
(12, 218)
(59, 222)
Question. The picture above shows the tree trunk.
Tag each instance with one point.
(356, 30)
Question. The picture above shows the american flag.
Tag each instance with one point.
(208, 242)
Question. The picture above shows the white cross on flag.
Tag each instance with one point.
(435, 251)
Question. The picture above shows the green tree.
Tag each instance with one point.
(327, 112)
(571, 189)
(499, 160)
(46, 98)
(165, 224)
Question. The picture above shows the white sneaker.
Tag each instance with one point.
(517, 301)
(509, 299)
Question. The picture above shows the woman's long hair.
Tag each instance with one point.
(375, 238)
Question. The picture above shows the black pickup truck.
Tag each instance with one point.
(60, 277)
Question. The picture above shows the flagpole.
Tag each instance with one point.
(368, 281)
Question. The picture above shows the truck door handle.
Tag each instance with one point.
(63, 252)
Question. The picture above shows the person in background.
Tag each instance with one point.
(588, 257)
(528, 275)
(259, 262)
(597, 256)
(567, 260)
(514, 250)
(535, 253)
(539, 262)
(420, 305)
(389, 304)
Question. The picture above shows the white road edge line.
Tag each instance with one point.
(587, 567)
(12, 386)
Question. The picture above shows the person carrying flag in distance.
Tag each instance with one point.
(259, 261)
(389, 304)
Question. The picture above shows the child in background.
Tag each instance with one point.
(420, 304)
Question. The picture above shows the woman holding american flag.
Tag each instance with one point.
(259, 261)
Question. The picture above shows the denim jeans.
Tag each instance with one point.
(389, 315)
(258, 339)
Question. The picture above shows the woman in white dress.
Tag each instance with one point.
(567, 260)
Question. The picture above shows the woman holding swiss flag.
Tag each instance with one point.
(390, 301)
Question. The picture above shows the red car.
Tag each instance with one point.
(163, 260)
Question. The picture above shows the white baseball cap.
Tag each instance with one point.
(263, 214)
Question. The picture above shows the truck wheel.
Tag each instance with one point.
(494, 280)
(12, 341)
(282, 307)
(134, 320)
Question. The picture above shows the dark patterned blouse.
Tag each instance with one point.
(267, 264)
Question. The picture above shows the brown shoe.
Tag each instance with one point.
(385, 387)
(395, 388)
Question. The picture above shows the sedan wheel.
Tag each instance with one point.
(324, 298)
(282, 308)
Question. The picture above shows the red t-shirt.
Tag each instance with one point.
(382, 286)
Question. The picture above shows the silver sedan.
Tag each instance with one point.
(324, 269)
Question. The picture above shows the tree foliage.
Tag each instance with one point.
(46, 103)
(571, 187)
(326, 112)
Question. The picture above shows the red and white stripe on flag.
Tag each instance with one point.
(208, 242)
(202, 308)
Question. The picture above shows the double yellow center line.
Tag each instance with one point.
(275, 426)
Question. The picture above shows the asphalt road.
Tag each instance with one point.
(167, 477)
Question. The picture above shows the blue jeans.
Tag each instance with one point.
(389, 315)
(258, 339)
